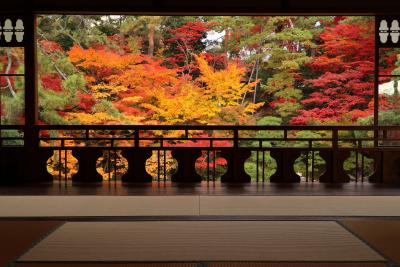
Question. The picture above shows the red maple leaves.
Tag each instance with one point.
(343, 85)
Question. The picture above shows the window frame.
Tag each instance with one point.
(29, 45)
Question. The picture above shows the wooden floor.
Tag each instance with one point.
(204, 188)
(383, 234)
(18, 236)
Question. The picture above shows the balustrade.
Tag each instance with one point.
(384, 161)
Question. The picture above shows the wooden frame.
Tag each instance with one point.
(32, 152)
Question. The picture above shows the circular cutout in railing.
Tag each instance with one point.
(263, 166)
(307, 168)
(303, 166)
(62, 165)
(161, 165)
(112, 165)
(358, 166)
(210, 166)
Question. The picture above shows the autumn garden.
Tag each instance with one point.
(205, 70)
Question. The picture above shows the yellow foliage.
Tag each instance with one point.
(106, 90)
(131, 99)
(56, 164)
(189, 105)
(170, 165)
(251, 107)
(92, 58)
(111, 165)
(146, 80)
(95, 118)
(224, 86)
(145, 91)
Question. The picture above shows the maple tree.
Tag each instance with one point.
(12, 87)
(201, 70)
(389, 104)
(340, 86)
(185, 41)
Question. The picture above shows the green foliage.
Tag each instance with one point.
(12, 134)
(106, 107)
(73, 83)
(13, 106)
(50, 103)
(68, 30)
(355, 161)
(269, 166)
(269, 120)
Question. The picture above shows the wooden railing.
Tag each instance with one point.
(190, 154)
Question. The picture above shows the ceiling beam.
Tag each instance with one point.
(206, 6)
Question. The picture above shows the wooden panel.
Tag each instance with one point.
(17, 236)
(204, 264)
(383, 235)
(52, 264)
(295, 264)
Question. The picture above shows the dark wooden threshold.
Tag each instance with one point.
(203, 188)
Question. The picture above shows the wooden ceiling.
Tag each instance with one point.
(205, 6)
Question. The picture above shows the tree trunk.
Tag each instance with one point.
(226, 42)
(251, 76)
(9, 64)
(151, 40)
(255, 86)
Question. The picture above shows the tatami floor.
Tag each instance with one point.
(351, 242)
(200, 229)
(195, 206)
(180, 241)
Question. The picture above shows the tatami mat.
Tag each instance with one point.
(201, 241)
(53, 206)
(300, 205)
(39, 206)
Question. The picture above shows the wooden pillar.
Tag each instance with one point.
(285, 159)
(391, 166)
(31, 138)
(12, 165)
(87, 158)
(186, 172)
(376, 155)
(334, 160)
(236, 159)
(136, 166)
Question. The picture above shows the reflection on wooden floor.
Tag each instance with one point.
(204, 188)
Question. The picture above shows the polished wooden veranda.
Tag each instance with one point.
(202, 201)
(112, 188)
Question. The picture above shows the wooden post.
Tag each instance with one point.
(31, 135)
